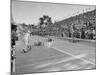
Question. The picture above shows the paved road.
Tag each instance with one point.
(61, 56)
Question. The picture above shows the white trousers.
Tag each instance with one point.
(26, 43)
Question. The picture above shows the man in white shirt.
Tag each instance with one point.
(26, 38)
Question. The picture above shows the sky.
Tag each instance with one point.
(29, 12)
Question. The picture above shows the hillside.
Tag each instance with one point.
(85, 23)
(88, 18)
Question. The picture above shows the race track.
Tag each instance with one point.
(61, 56)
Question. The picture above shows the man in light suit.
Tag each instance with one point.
(26, 38)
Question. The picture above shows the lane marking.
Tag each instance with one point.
(66, 65)
(72, 67)
(46, 58)
(36, 63)
(52, 69)
(68, 59)
(77, 57)
(83, 63)
(45, 64)
(57, 62)
(89, 67)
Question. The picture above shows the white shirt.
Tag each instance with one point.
(26, 38)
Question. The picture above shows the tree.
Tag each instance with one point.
(14, 36)
(45, 21)
(41, 21)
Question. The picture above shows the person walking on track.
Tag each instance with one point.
(26, 38)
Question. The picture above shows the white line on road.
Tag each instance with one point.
(77, 57)
(42, 65)
(58, 62)
(46, 64)
(51, 69)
